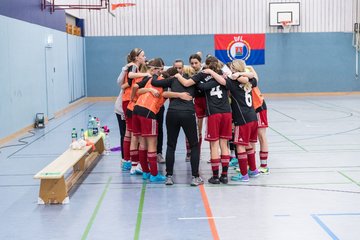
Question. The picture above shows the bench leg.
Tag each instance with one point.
(100, 146)
(53, 191)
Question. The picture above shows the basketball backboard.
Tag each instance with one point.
(284, 12)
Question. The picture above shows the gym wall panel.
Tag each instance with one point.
(191, 17)
(105, 56)
(23, 73)
(76, 67)
(294, 63)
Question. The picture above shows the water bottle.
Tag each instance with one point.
(107, 144)
(94, 126)
(90, 127)
(82, 136)
(98, 123)
(73, 135)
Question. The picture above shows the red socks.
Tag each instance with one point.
(251, 158)
(225, 164)
(134, 157)
(152, 162)
(263, 158)
(143, 161)
(243, 163)
(126, 148)
(215, 163)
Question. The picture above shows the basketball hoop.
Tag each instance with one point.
(286, 26)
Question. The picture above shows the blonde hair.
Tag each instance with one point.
(189, 71)
(143, 68)
(240, 66)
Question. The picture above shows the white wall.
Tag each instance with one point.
(184, 17)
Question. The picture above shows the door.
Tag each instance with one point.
(50, 78)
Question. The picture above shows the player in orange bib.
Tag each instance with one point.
(138, 145)
(144, 120)
(137, 58)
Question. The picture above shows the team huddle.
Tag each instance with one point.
(226, 95)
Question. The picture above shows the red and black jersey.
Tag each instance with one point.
(217, 100)
(241, 102)
(177, 104)
(262, 107)
(199, 93)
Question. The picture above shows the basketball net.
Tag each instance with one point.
(286, 26)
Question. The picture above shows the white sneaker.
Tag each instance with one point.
(136, 170)
(160, 158)
(133, 170)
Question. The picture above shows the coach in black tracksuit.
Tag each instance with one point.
(181, 113)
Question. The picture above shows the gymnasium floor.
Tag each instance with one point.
(313, 191)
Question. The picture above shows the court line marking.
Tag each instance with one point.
(203, 218)
(283, 114)
(140, 211)
(209, 213)
(352, 180)
(96, 210)
(289, 139)
(286, 187)
(324, 227)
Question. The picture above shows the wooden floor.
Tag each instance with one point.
(313, 191)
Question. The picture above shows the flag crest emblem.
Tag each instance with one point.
(247, 47)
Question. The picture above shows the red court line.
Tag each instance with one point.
(209, 213)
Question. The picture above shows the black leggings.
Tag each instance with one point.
(186, 120)
(160, 137)
(122, 128)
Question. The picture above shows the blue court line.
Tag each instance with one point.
(326, 228)
(338, 214)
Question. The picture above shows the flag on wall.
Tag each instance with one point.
(248, 47)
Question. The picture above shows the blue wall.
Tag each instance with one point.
(309, 62)
(23, 72)
(294, 62)
(105, 56)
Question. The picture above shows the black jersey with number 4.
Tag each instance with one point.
(241, 102)
(217, 100)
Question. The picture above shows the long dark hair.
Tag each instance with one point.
(213, 63)
(131, 57)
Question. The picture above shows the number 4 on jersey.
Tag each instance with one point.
(216, 91)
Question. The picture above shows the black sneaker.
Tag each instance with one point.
(214, 180)
(224, 179)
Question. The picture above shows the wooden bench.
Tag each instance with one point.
(54, 188)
